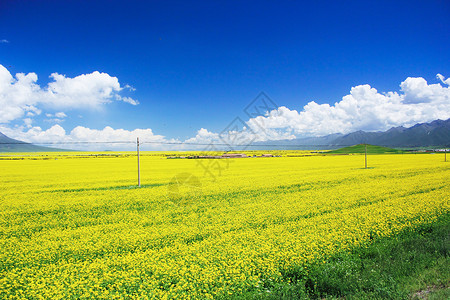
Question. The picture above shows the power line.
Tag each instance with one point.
(188, 143)
(184, 143)
(67, 143)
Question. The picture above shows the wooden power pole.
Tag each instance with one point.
(139, 165)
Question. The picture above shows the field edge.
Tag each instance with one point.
(408, 265)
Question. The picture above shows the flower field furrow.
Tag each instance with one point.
(79, 228)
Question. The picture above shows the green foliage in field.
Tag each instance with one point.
(412, 264)
(78, 228)
(360, 149)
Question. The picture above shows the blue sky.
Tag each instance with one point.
(197, 64)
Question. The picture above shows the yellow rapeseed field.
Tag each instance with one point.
(77, 227)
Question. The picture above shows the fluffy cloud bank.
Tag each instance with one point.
(22, 95)
(363, 109)
(57, 136)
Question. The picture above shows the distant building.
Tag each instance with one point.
(267, 155)
(234, 155)
(227, 155)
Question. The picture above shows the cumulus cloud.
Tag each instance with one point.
(21, 94)
(129, 87)
(204, 136)
(364, 109)
(96, 138)
(87, 90)
(442, 79)
(235, 138)
(60, 115)
(55, 118)
(81, 133)
(127, 100)
(28, 122)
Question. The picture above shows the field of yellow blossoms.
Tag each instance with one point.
(77, 227)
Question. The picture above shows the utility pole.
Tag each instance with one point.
(139, 165)
(365, 154)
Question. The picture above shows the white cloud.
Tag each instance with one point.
(28, 122)
(21, 94)
(364, 109)
(127, 86)
(442, 79)
(127, 100)
(60, 115)
(98, 139)
(87, 90)
(35, 134)
(55, 118)
(81, 133)
(4, 41)
(417, 90)
(204, 136)
(17, 96)
(238, 138)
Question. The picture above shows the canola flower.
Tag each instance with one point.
(76, 227)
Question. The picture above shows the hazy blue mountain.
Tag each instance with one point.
(11, 145)
(300, 143)
(436, 133)
(433, 134)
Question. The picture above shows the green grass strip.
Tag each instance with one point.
(413, 264)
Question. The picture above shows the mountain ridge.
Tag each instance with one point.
(432, 134)
(8, 144)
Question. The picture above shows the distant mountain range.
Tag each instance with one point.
(433, 134)
(11, 145)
